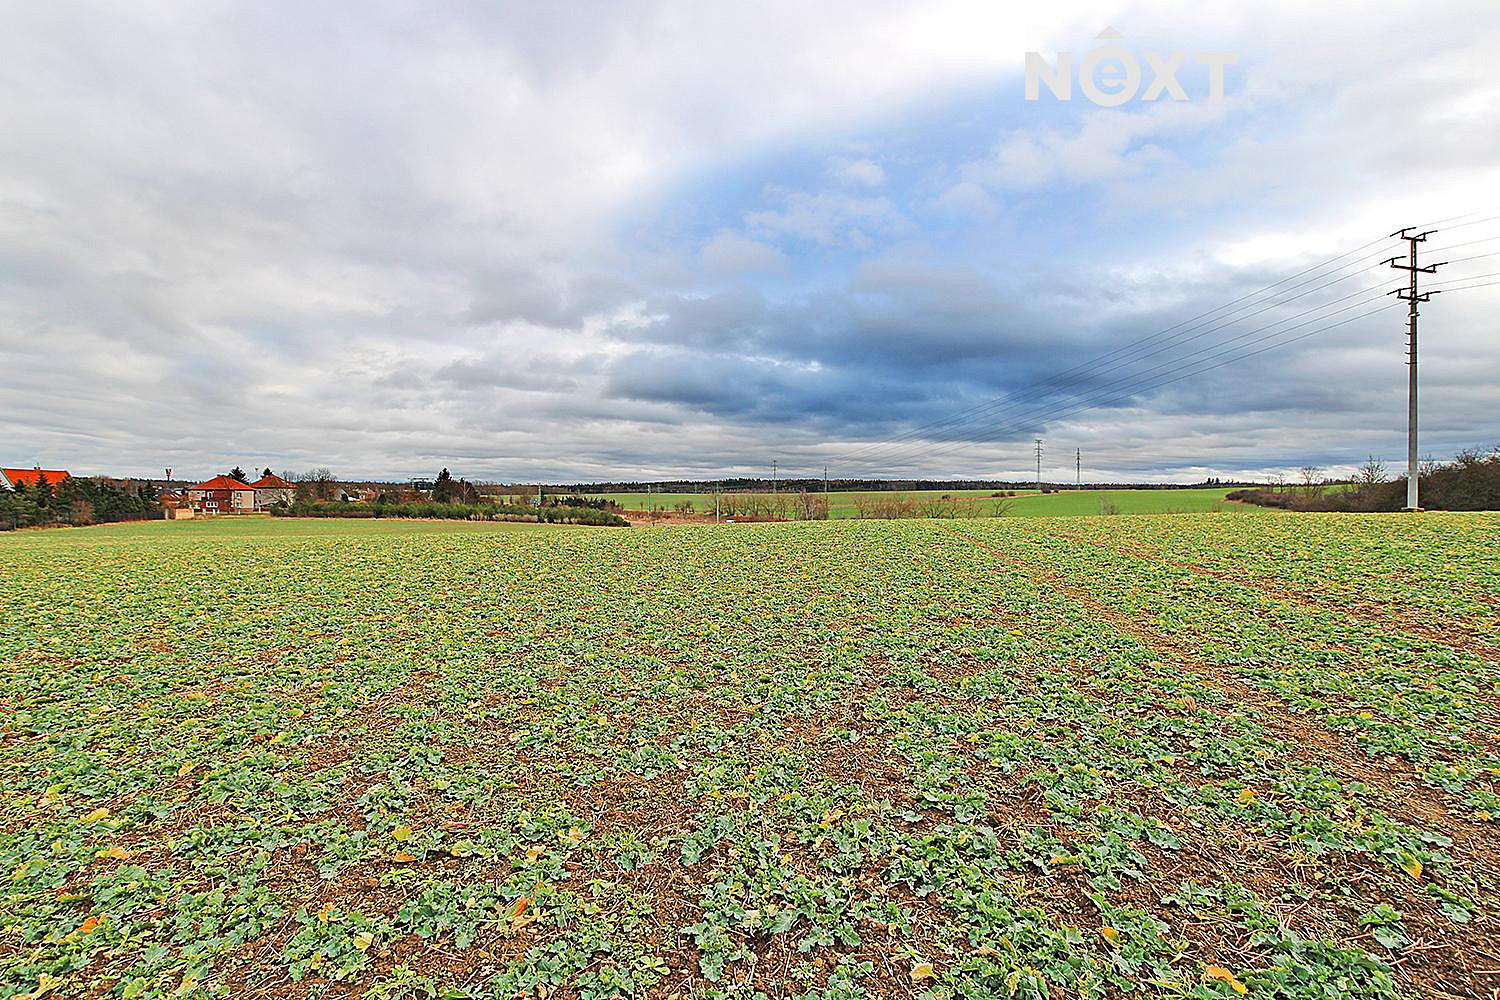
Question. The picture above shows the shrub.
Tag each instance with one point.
(433, 510)
(1470, 482)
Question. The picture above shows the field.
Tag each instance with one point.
(1185, 756)
(1064, 503)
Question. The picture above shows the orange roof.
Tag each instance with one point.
(222, 483)
(30, 476)
(271, 482)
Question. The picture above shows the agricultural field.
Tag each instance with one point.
(1193, 756)
(982, 503)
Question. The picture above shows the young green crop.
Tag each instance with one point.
(1191, 756)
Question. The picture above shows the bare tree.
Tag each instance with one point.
(1312, 479)
(318, 485)
(1370, 474)
(812, 506)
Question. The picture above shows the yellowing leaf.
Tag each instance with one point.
(520, 907)
(45, 984)
(116, 852)
(1412, 865)
(1246, 796)
(401, 834)
(96, 815)
(90, 925)
(325, 913)
(187, 766)
(403, 857)
(1224, 975)
(363, 940)
(26, 868)
(921, 971)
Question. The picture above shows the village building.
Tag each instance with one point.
(222, 495)
(272, 489)
(11, 478)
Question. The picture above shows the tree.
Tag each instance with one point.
(1370, 474)
(237, 473)
(446, 489)
(265, 472)
(318, 485)
(17, 510)
(812, 506)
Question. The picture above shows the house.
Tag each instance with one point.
(222, 495)
(11, 478)
(270, 489)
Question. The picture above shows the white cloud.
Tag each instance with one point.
(826, 217)
(859, 173)
(730, 253)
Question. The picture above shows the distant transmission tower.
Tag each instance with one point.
(1039, 465)
(1078, 468)
(1410, 295)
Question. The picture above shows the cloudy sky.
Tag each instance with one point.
(600, 241)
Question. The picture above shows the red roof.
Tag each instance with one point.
(271, 482)
(222, 483)
(30, 476)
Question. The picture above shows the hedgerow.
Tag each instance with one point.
(432, 510)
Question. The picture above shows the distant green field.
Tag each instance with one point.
(981, 502)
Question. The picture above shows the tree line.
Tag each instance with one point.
(75, 501)
(1471, 481)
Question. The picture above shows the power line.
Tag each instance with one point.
(995, 408)
(1038, 391)
(1168, 377)
(1124, 348)
(1463, 277)
(1198, 369)
(1211, 351)
(974, 412)
(1206, 358)
(1460, 288)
